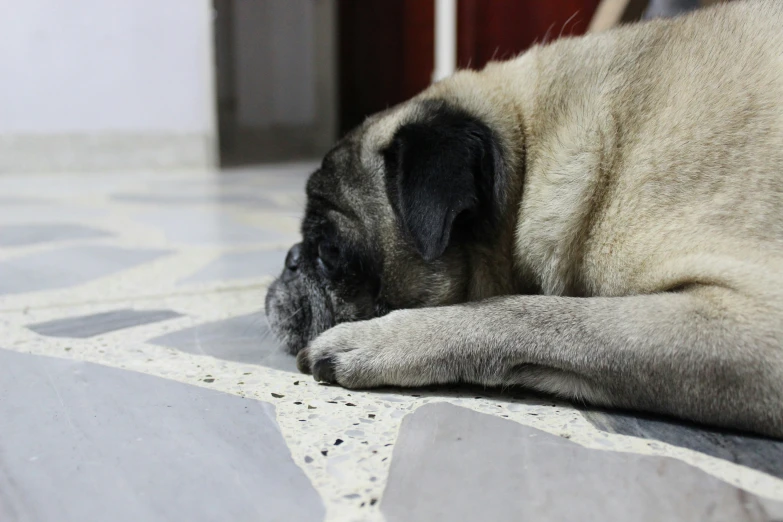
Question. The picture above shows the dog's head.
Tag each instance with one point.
(395, 217)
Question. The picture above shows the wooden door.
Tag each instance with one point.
(386, 46)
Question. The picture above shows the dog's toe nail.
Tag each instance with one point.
(303, 361)
(323, 370)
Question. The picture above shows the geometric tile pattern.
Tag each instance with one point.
(110, 444)
(179, 264)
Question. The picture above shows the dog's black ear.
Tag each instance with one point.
(442, 174)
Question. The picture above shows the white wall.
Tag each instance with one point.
(86, 69)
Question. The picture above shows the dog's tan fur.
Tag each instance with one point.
(625, 136)
(647, 205)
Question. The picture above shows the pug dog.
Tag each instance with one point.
(600, 218)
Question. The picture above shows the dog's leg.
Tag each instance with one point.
(704, 354)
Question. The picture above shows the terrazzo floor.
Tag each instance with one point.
(139, 381)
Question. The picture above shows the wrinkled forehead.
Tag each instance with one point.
(342, 178)
(342, 191)
(350, 184)
(357, 156)
(379, 130)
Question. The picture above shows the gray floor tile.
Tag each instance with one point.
(240, 265)
(48, 212)
(755, 452)
(244, 339)
(82, 442)
(70, 266)
(294, 174)
(451, 463)
(22, 200)
(216, 198)
(86, 326)
(17, 235)
(193, 226)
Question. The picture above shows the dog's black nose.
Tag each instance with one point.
(293, 257)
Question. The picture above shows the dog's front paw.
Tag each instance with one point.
(341, 355)
(389, 351)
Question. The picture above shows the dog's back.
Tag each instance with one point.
(701, 167)
(672, 169)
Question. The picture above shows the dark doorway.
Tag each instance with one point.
(385, 54)
(386, 47)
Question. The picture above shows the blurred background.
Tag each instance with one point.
(95, 85)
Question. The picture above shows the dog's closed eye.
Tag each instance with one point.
(328, 256)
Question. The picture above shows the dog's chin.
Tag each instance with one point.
(296, 314)
(286, 318)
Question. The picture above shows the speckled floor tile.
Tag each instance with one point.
(209, 259)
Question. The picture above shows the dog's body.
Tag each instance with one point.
(600, 218)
